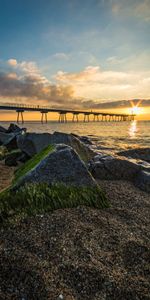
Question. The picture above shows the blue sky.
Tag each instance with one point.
(79, 44)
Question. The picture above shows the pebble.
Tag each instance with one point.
(60, 297)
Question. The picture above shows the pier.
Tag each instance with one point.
(62, 113)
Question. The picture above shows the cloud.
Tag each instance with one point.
(91, 87)
(12, 62)
(28, 70)
(23, 81)
(115, 104)
(142, 10)
(33, 90)
(93, 82)
(139, 9)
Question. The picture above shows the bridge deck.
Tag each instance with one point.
(46, 109)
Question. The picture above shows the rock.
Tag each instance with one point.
(139, 153)
(13, 128)
(143, 181)
(144, 165)
(86, 140)
(8, 140)
(69, 139)
(114, 168)
(14, 157)
(63, 165)
(60, 297)
(2, 129)
(32, 143)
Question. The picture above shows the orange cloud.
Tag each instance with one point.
(12, 62)
(93, 82)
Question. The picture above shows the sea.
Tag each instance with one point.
(108, 136)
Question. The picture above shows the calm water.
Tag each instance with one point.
(110, 135)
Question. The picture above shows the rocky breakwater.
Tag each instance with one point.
(108, 167)
(33, 143)
(21, 146)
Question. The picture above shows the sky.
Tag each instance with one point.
(91, 54)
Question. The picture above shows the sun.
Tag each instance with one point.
(135, 110)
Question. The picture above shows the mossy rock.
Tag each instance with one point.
(31, 163)
(40, 198)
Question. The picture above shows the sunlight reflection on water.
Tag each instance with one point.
(133, 129)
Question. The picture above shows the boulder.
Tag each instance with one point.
(69, 139)
(86, 140)
(63, 165)
(33, 143)
(14, 157)
(8, 140)
(13, 128)
(11, 159)
(143, 181)
(113, 168)
(138, 153)
(2, 129)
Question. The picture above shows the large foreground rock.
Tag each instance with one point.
(139, 153)
(113, 168)
(143, 181)
(62, 165)
(32, 143)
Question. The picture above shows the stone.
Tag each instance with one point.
(83, 150)
(86, 140)
(8, 140)
(33, 143)
(63, 165)
(14, 157)
(138, 153)
(13, 128)
(114, 168)
(143, 181)
(2, 129)
(60, 297)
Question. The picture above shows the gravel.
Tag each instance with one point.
(82, 253)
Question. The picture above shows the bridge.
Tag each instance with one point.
(62, 113)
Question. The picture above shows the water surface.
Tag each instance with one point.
(110, 135)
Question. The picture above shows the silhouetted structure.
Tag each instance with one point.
(97, 116)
